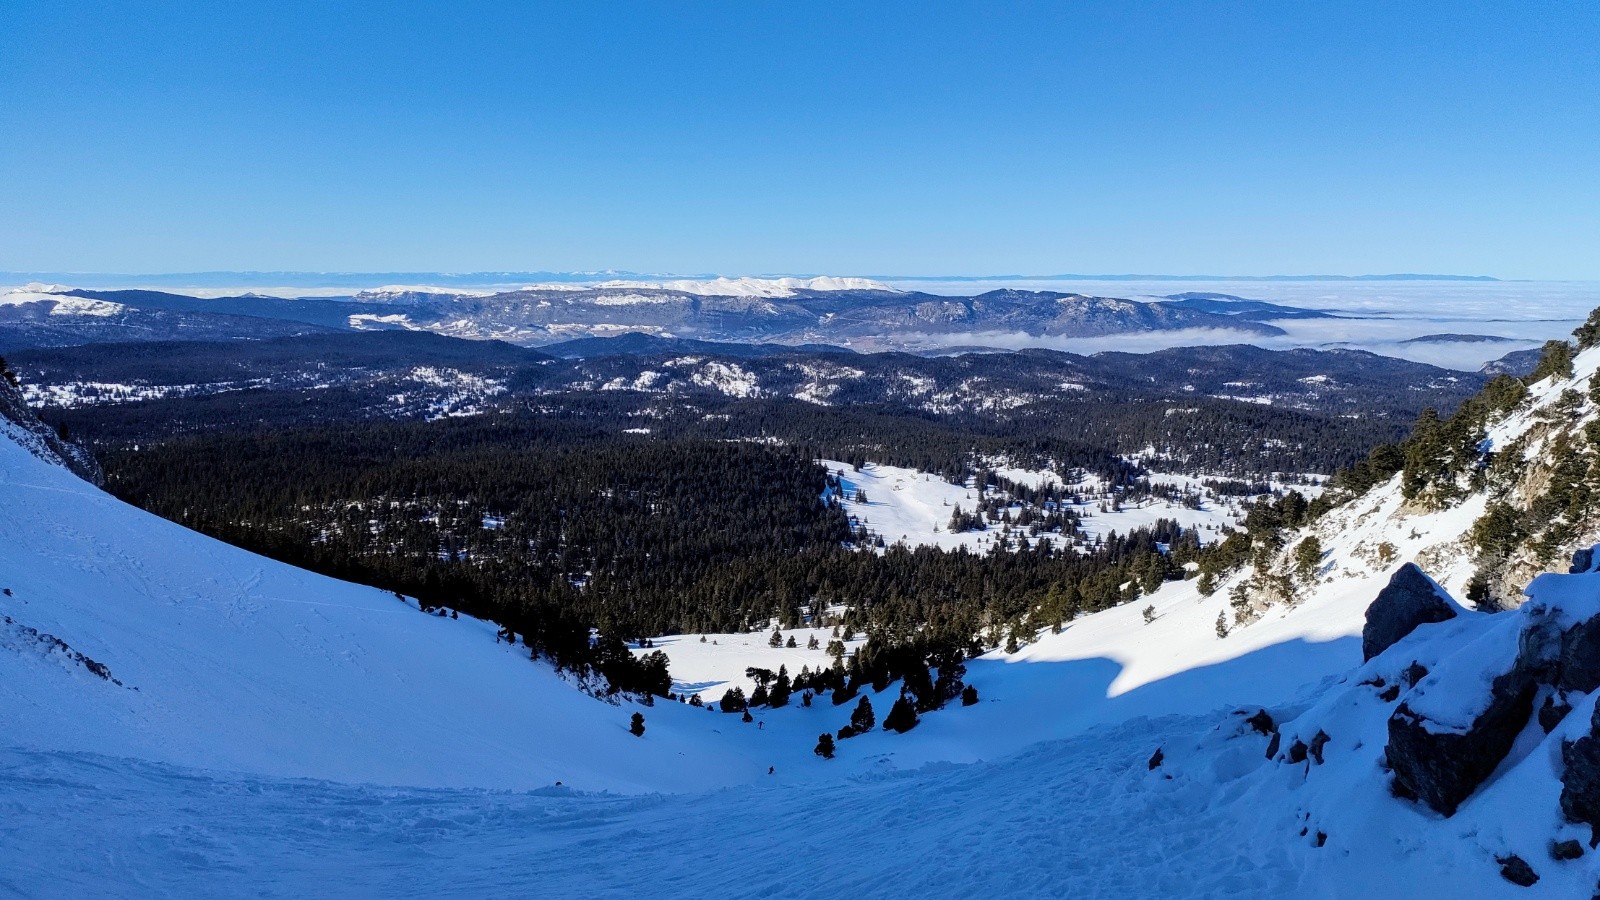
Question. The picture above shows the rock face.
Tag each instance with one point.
(1580, 657)
(1580, 778)
(1410, 599)
(1443, 767)
(41, 440)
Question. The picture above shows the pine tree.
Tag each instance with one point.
(969, 695)
(1222, 624)
(824, 746)
(790, 644)
(902, 717)
(862, 719)
(1307, 558)
(733, 700)
(812, 644)
(776, 640)
(637, 725)
(781, 688)
(1149, 614)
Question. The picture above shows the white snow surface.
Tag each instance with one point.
(60, 305)
(290, 734)
(914, 507)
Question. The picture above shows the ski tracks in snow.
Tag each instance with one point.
(1081, 818)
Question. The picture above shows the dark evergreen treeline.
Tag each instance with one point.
(550, 528)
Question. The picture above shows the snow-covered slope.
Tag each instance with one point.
(217, 658)
(165, 697)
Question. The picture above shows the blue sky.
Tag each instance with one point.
(751, 137)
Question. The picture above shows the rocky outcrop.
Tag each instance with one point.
(1579, 660)
(1442, 766)
(1410, 599)
(40, 439)
(1580, 779)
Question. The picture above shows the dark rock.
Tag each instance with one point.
(1322, 838)
(1444, 768)
(1552, 712)
(1414, 673)
(1516, 870)
(1318, 740)
(1582, 561)
(1390, 693)
(1580, 777)
(1297, 751)
(1156, 758)
(1561, 851)
(1261, 722)
(1580, 657)
(1410, 599)
(1272, 745)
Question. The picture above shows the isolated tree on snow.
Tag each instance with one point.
(637, 725)
(902, 717)
(1307, 558)
(812, 644)
(824, 746)
(776, 640)
(1222, 624)
(1149, 614)
(733, 700)
(747, 717)
(862, 719)
(790, 643)
(969, 695)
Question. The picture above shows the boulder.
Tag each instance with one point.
(1552, 712)
(1442, 766)
(1516, 870)
(1580, 657)
(1318, 741)
(1410, 599)
(1563, 851)
(1261, 722)
(1582, 561)
(1580, 778)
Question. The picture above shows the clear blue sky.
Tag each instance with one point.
(741, 137)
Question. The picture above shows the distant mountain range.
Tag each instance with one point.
(359, 280)
(845, 312)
